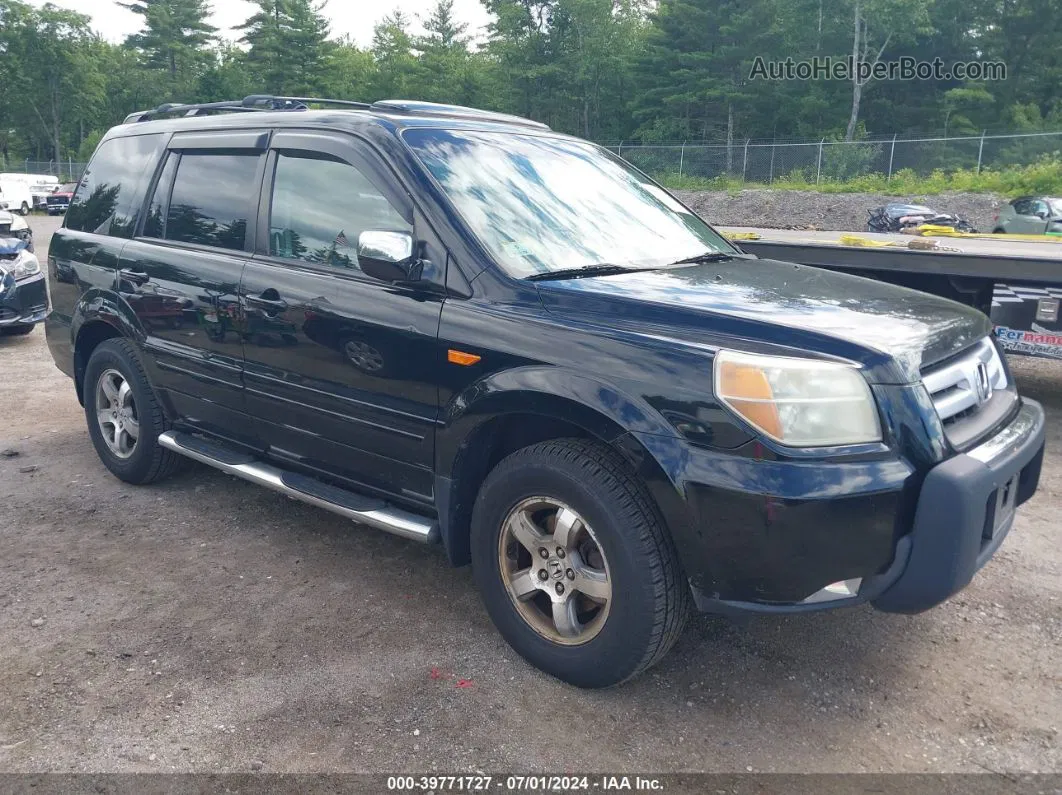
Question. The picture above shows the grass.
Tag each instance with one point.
(1043, 178)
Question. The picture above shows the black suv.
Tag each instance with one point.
(462, 327)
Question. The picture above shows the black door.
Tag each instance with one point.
(182, 273)
(340, 368)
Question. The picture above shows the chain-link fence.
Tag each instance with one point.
(65, 170)
(816, 161)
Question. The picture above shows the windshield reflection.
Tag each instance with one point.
(543, 203)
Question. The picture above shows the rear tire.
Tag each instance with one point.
(998, 231)
(17, 330)
(124, 416)
(629, 599)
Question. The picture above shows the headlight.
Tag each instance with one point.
(25, 265)
(798, 402)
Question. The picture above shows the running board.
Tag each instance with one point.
(366, 510)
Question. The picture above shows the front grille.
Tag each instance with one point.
(953, 384)
(5, 229)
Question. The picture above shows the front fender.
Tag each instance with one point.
(591, 403)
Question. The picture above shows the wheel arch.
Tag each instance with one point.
(478, 433)
(98, 317)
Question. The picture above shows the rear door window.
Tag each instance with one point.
(213, 197)
(111, 192)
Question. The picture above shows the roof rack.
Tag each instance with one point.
(263, 102)
(415, 107)
(254, 102)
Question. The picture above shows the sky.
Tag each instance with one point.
(355, 18)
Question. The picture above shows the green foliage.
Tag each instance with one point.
(1043, 177)
(649, 71)
(289, 47)
(174, 37)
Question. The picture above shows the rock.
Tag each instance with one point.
(256, 765)
(27, 470)
(37, 623)
(10, 452)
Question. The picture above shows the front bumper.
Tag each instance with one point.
(23, 302)
(965, 510)
(901, 543)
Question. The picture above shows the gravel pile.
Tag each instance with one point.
(847, 212)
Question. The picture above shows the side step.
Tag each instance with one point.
(366, 510)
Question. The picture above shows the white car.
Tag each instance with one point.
(15, 197)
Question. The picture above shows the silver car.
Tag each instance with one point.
(1030, 215)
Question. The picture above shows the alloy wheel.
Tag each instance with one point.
(555, 571)
(116, 413)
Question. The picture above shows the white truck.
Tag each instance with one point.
(15, 196)
(40, 185)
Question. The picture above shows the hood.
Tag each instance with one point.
(892, 331)
(10, 246)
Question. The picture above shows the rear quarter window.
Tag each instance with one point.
(110, 194)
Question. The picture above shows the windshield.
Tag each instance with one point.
(540, 203)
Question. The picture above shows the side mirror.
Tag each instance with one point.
(388, 256)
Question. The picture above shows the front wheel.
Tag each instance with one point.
(574, 564)
(24, 209)
(17, 330)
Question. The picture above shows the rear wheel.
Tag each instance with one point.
(124, 417)
(574, 564)
(999, 230)
(17, 330)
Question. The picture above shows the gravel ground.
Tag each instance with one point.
(204, 624)
(794, 209)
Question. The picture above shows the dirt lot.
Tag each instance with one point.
(787, 209)
(208, 625)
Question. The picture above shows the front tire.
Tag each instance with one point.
(574, 564)
(17, 330)
(24, 209)
(124, 417)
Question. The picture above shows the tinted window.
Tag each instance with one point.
(1021, 206)
(111, 191)
(155, 223)
(319, 208)
(212, 198)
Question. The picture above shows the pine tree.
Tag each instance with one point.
(175, 33)
(290, 49)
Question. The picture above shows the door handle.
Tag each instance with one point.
(269, 305)
(136, 277)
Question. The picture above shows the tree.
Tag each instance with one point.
(289, 46)
(175, 34)
(894, 19)
(392, 53)
(446, 70)
(51, 55)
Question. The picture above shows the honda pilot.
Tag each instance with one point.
(466, 329)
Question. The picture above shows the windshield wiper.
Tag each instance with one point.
(708, 256)
(601, 269)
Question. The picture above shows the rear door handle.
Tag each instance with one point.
(270, 305)
(136, 277)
